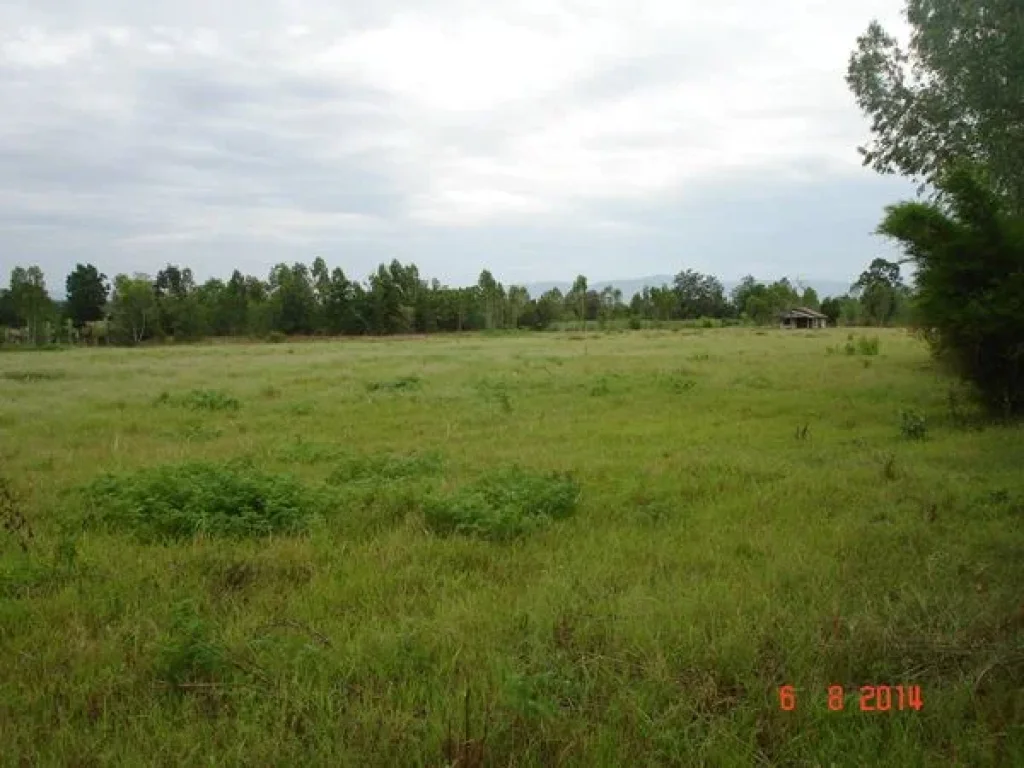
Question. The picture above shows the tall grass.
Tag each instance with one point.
(349, 572)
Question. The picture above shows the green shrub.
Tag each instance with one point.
(276, 337)
(188, 654)
(867, 346)
(912, 425)
(178, 502)
(200, 400)
(503, 505)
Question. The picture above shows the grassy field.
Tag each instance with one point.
(742, 510)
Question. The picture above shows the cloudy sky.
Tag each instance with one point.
(540, 138)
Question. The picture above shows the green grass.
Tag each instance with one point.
(600, 551)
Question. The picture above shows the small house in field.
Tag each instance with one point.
(802, 317)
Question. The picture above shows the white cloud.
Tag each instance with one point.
(291, 122)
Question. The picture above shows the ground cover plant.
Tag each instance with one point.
(374, 561)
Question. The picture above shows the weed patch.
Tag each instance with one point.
(182, 501)
(189, 655)
(503, 505)
(31, 377)
(401, 384)
(200, 400)
(913, 425)
(383, 468)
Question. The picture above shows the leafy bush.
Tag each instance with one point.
(200, 400)
(912, 425)
(276, 337)
(181, 501)
(503, 505)
(969, 254)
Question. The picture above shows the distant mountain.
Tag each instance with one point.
(632, 286)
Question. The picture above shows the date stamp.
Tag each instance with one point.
(871, 698)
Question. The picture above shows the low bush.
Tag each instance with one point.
(503, 505)
(913, 425)
(178, 502)
(867, 346)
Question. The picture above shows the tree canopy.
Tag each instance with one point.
(955, 92)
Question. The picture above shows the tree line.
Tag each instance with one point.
(298, 299)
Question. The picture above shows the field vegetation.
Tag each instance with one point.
(526, 549)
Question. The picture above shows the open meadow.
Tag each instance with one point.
(531, 549)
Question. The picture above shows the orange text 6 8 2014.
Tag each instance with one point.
(867, 698)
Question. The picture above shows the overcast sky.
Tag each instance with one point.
(540, 138)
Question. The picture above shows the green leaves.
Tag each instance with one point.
(181, 501)
(955, 93)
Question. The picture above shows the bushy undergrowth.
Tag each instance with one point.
(177, 502)
(200, 400)
(503, 505)
(189, 654)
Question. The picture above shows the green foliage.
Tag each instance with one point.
(503, 505)
(133, 308)
(175, 502)
(384, 468)
(87, 292)
(200, 400)
(970, 277)
(32, 377)
(277, 337)
(868, 346)
(400, 384)
(913, 425)
(12, 519)
(953, 94)
(188, 654)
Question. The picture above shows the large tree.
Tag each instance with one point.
(956, 92)
(87, 290)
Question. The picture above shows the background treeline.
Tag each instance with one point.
(317, 300)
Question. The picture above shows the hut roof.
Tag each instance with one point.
(802, 312)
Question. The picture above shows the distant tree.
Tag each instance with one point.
(576, 300)
(809, 299)
(133, 307)
(8, 314)
(880, 291)
(831, 307)
(87, 291)
(698, 295)
(32, 304)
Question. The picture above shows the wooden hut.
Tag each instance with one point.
(802, 317)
